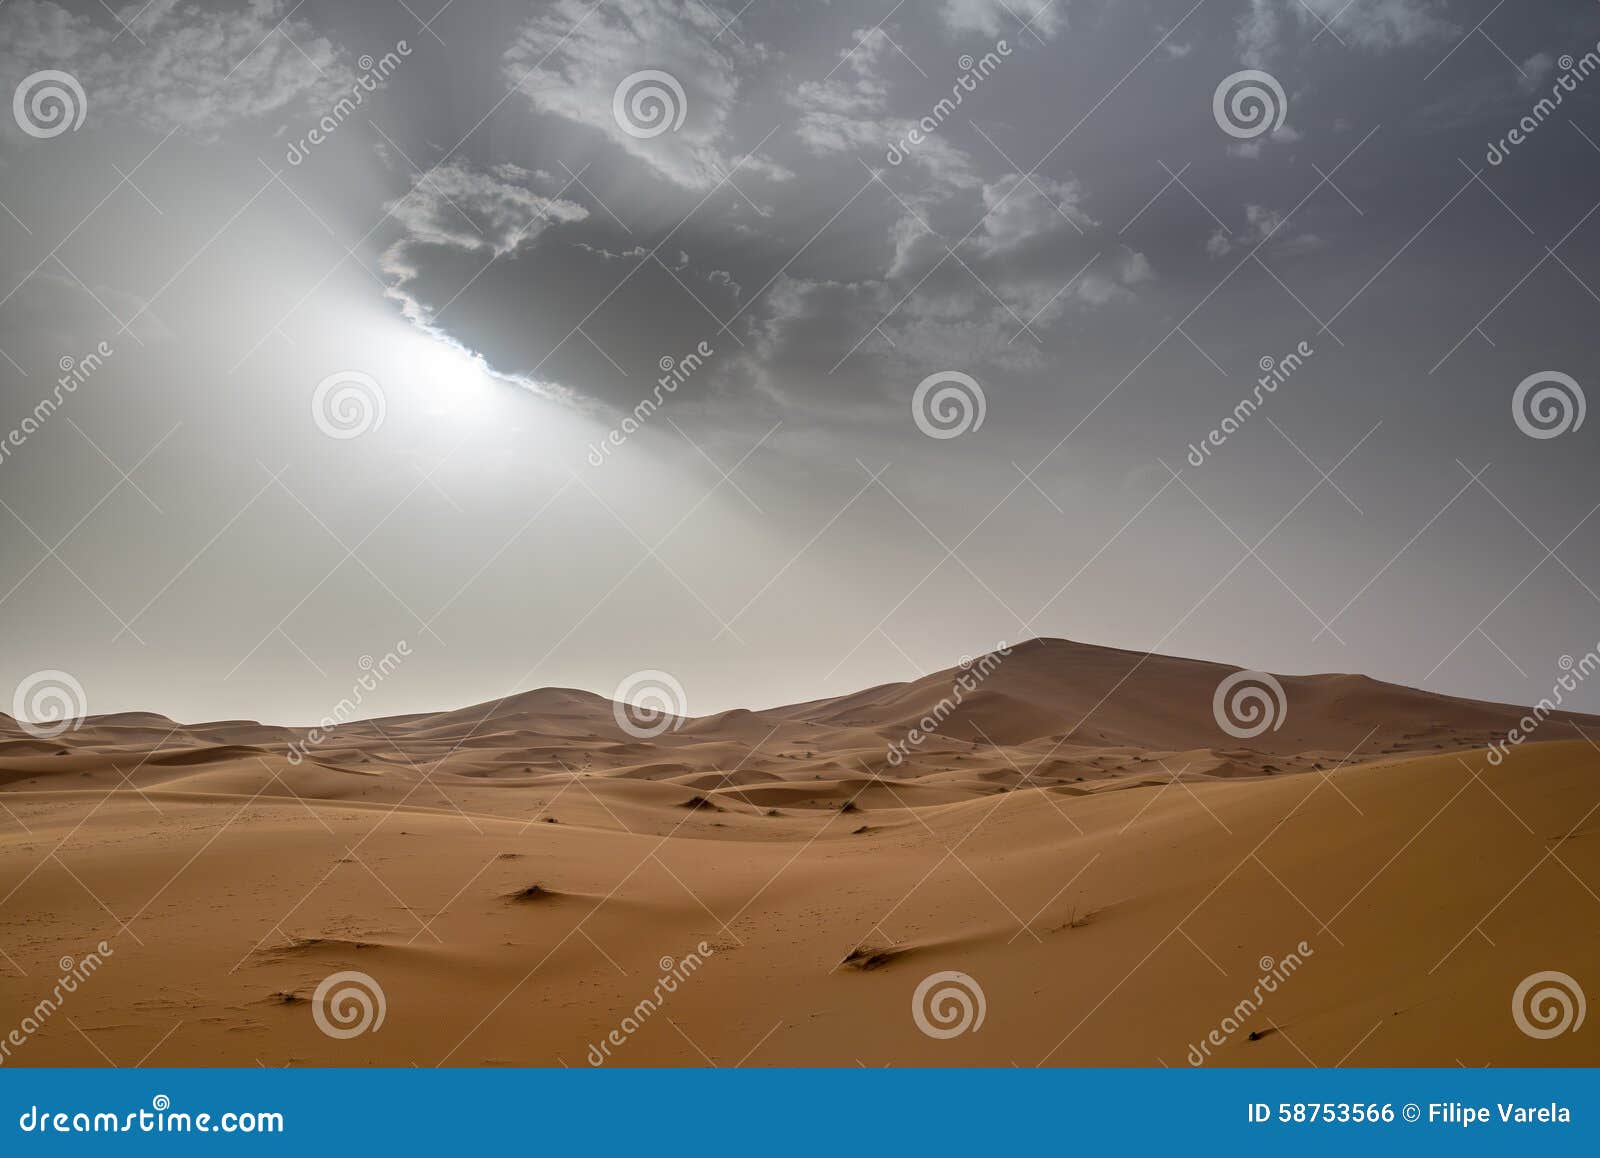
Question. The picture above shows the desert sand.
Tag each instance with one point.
(1081, 839)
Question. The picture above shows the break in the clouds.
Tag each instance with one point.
(454, 208)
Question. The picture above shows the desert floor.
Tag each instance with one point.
(513, 889)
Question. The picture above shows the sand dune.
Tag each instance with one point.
(1080, 838)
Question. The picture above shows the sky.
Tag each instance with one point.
(790, 348)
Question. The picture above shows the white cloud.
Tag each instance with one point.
(199, 67)
(1021, 210)
(456, 205)
(570, 59)
(847, 114)
(1263, 226)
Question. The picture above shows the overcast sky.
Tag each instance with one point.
(380, 283)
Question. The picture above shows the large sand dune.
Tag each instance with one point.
(1115, 873)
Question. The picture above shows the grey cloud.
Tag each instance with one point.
(992, 17)
(1374, 25)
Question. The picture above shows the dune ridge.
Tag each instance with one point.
(1079, 835)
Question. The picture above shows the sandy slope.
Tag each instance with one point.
(1110, 870)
